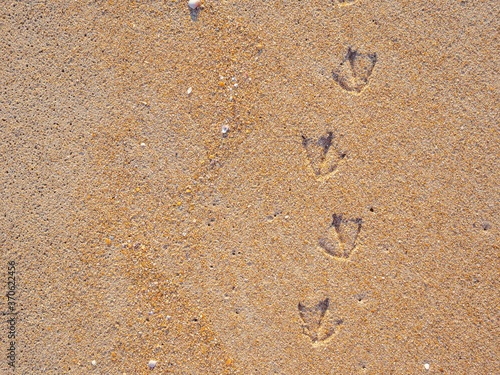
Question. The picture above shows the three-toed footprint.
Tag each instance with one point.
(318, 323)
(355, 70)
(340, 238)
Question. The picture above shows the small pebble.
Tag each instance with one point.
(94, 363)
(427, 366)
(225, 130)
(194, 4)
(189, 91)
(152, 364)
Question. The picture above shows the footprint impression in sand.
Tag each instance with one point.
(318, 324)
(340, 239)
(354, 71)
(322, 155)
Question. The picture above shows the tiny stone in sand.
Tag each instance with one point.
(194, 4)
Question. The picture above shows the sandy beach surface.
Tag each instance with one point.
(252, 187)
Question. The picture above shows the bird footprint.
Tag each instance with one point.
(316, 326)
(322, 156)
(340, 239)
(355, 70)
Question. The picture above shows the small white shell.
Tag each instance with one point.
(194, 4)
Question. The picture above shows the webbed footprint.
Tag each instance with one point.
(354, 71)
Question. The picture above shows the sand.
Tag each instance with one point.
(347, 222)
